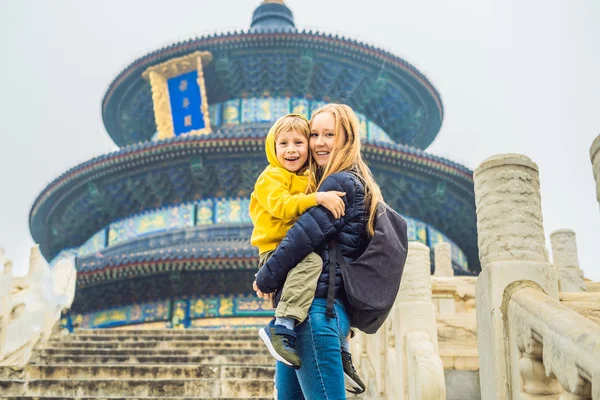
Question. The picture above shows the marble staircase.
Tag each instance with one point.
(143, 364)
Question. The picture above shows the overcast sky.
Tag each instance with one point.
(515, 76)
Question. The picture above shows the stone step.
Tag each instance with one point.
(141, 338)
(12, 387)
(51, 352)
(211, 388)
(156, 345)
(228, 359)
(133, 371)
(127, 398)
(164, 332)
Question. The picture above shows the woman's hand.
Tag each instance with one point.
(264, 296)
(332, 201)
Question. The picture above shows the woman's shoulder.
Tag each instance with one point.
(345, 180)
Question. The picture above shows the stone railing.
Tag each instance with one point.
(31, 306)
(401, 361)
(530, 345)
(553, 350)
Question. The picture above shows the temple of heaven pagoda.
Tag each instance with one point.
(160, 228)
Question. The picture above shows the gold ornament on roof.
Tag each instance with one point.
(273, 1)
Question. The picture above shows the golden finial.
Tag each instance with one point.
(273, 1)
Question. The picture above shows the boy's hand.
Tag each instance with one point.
(332, 201)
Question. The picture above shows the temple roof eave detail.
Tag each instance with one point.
(337, 46)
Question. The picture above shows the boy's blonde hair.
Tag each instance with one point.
(346, 156)
(296, 123)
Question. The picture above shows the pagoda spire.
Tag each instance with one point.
(272, 15)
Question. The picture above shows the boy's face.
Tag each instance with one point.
(292, 150)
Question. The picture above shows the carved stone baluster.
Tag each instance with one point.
(512, 252)
(532, 370)
(443, 259)
(416, 313)
(566, 261)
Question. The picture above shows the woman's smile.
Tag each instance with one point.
(322, 138)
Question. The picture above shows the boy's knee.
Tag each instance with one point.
(314, 258)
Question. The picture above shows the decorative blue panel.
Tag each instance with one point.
(280, 106)
(421, 232)
(233, 210)
(214, 110)
(300, 106)
(94, 244)
(150, 222)
(186, 103)
(231, 112)
(362, 127)
(376, 134)
(133, 314)
(205, 212)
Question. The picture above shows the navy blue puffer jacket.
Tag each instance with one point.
(312, 231)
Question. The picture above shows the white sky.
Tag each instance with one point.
(515, 76)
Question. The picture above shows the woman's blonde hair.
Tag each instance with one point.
(296, 123)
(346, 156)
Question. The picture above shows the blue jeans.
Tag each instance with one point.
(320, 338)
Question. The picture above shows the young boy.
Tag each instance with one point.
(279, 198)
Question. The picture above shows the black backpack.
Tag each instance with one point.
(372, 280)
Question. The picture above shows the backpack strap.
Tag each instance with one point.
(333, 251)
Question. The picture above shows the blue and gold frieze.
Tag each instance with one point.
(231, 112)
(178, 313)
(127, 315)
(94, 244)
(300, 106)
(213, 211)
(270, 109)
(150, 222)
(264, 109)
(376, 134)
(205, 212)
(233, 210)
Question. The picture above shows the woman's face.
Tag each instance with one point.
(322, 138)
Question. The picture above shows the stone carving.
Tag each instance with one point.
(443, 259)
(509, 214)
(401, 360)
(512, 253)
(566, 261)
(553, 350)
(30, 307)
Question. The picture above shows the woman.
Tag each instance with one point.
(335, 147)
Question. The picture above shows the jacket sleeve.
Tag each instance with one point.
(310, 231)
(272, 192)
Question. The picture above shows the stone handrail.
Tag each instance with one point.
(31, 306)
(401, 360)
(553, 350)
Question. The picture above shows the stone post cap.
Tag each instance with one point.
(505, 159)
(442, 245)
(417, 246)
(595, 147)
(563, 232)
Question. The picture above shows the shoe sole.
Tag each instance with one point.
(264, 336)
(351, 385)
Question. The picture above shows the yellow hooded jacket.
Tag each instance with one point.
(277, 200)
